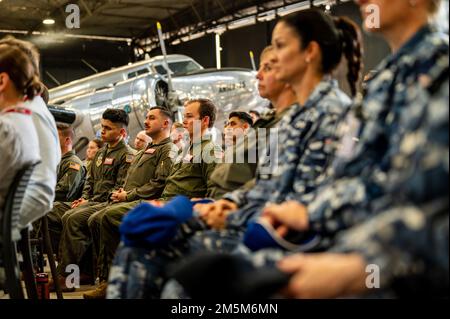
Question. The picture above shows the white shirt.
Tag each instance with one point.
(40, 193)
(19, 147)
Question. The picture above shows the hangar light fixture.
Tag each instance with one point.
(48, 21)
(267, 16)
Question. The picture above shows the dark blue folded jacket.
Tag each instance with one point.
(150, 226)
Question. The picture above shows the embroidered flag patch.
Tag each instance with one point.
(108, 161)
(75, 166)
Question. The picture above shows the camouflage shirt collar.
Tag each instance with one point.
(163, 142)
(68, 154)
(283, 112)
(325, 86)
(118, 146)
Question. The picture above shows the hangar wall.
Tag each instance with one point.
(64, 61)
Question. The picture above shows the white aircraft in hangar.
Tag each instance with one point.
(147, 83)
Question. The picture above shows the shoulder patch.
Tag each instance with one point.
(75, 166)
(129, 158)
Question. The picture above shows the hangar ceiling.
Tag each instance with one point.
(123, 19)
(118, 18)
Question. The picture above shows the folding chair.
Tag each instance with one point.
(10, 235)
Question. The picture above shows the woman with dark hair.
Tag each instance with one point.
(310, 45)
(306, 141)
(19, 145)
(40, 192)
(388, 200)
(386, 185)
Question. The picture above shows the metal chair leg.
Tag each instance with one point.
(51, 257)
(28, 271)
(12, 271)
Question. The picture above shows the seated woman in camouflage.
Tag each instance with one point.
(306, 142)
(387, 183)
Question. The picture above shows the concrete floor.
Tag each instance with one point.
(77, 294)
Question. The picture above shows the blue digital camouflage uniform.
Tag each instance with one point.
(306, 146)
(407, 237)
(345, 201)
(394, 105)
(388, 110)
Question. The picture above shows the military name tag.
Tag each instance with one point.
(75, 166)
(150, 151)
(108, 161)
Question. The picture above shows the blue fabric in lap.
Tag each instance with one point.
(261, 235)
(150, 226)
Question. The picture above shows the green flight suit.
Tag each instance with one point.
(229, 176)
(107, 173)
(190, 176)
(146, 180)
(69, 170)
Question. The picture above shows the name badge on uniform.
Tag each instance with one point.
(108, 161)
(75, 166)
(129, 158)
(150, 151)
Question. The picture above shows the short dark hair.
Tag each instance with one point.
(243, 116)
(207, 108)
(66, 130)
(116, 116)
(164, 111)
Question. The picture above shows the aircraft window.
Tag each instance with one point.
(160, 69)
(178, 67)
(137, 73)
(143, 71)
